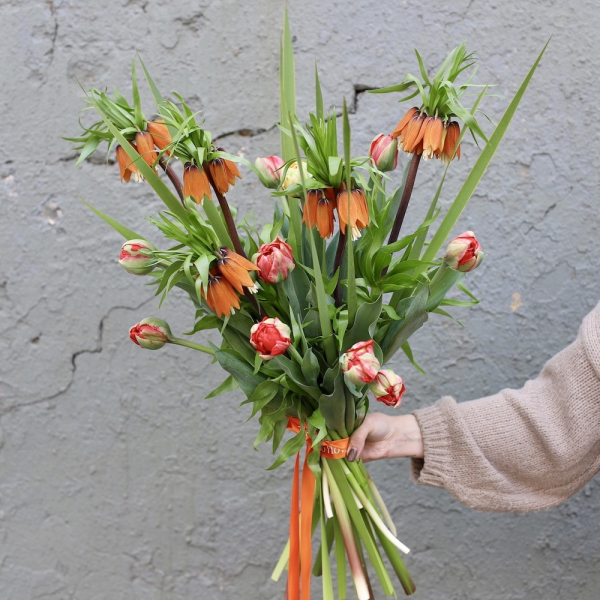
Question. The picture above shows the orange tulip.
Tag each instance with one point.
(160, 134)
(223, 173)
(126, 167)
(235, 269)
(220, 295)
(145, 147)
(195, 183)
(318, 210)
(404, 122)
(358, 214)
(452, 135)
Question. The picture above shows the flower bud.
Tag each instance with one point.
(384, 152)
(292, 177)
(151, 333)
(274, 261)
(387, 387)
(137, 257)
(270, 338)
(464, 252)
(359, 364)
(269, 170)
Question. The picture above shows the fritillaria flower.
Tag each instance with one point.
(223, 173)
(411, 138)
(318, 210)
(433, 137)
(450, 140)
(404, 122)
(220, 295)
(387, 387)
(160, 134)
(137, 257)
(145, 147)
(151, 333)
(195, 183)
(359, 364)
(464, 252)
(127, 168)
(236, 270)
(354, 213)
(275, 261)
(270, 338)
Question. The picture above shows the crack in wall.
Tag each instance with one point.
(74, 356)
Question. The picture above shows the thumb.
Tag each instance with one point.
(358, 439)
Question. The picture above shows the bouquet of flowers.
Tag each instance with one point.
(309, 307)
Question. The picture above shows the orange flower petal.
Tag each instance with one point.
(145, 147)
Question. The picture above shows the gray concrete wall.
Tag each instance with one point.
(117, 480)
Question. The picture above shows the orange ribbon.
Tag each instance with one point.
(301, 533)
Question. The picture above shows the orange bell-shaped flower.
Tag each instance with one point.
(354, 212)
(236, 269)
(318, 211)
(195, 183)
(220, 295)
(223, 173)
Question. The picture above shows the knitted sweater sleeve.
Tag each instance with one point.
(520, 450)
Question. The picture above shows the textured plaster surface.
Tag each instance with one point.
(117, 480)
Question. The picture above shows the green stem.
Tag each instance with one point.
(187, 344)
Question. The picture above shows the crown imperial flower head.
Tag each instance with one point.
(275, 261)
(384, 152)
(359, 364)
(137, 257)
(270, 338)
(464, 252)
(151, 333)
(387, 387)
(269, 170)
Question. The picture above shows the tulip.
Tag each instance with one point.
(384, 152)
(151, 333)
(387, 387)
(359, 364)
(270, 338)
(137, 257)
(292, 178)
(274, 261)
(464, 253)
(269, 170)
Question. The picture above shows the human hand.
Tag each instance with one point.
(383, 436)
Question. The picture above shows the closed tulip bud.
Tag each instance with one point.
(384, 152)
(137, 257)
(387, 387)
(274, 261)
(270, 338)
(464, 252)
(269, 170)
(151, 333)
(359, 364)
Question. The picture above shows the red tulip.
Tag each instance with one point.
(137, 257)
(359, 364)
(384, 152)
(269, 170)
(270, 338)
(274, 261)
(151, 333)
(387, 387)
(464, 252)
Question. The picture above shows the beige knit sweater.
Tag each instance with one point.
(520, 450)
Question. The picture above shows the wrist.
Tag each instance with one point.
(409, 439)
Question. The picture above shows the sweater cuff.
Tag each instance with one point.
(436, 444)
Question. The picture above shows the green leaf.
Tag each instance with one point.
(240, 369)
(318, 94)
(137, 103)
(364, 324)
(158, 98)
(287, 89)
(333, 406)
(127, 233)
(263, 394)
(290, 448)
(228, 385)
(409, 354)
